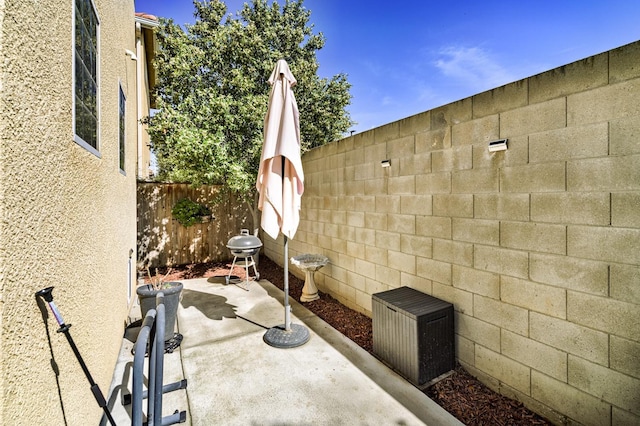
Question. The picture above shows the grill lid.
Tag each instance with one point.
(244, 241)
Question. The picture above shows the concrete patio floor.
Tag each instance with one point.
(235, 378)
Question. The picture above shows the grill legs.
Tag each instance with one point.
(246, 263)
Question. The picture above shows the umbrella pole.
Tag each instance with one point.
(287, 307)
(286, 335)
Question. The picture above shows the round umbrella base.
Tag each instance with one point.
(280, 338)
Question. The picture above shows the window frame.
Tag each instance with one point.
(74, 89)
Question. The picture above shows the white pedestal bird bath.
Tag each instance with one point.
(309, 263)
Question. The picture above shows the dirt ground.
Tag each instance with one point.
(460, 394)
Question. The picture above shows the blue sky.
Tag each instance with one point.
(406, 57)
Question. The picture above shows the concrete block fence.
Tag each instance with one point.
(537, 247)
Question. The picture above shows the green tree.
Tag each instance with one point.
(212, 92)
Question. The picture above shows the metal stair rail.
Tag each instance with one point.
(151, 336)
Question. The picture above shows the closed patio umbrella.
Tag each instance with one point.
(281, 184)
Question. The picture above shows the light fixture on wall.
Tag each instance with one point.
(386, 163)
(131, 54)
(500, 145)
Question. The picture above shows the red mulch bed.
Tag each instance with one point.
(460, 394)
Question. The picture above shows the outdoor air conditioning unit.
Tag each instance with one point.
(413, 333)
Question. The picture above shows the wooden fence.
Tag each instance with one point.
(163, 241)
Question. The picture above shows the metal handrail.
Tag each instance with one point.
(152, 331)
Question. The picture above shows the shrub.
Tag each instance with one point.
(189, 212)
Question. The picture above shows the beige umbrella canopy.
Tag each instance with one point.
(280, 176)
(281, 184)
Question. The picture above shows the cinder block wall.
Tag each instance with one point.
(538, 247)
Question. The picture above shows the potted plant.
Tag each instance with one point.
(188, 212)
(171, 289)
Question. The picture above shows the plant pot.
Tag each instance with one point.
(147, 297)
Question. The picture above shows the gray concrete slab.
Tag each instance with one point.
(235, 378)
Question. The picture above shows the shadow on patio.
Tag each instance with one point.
(235, 378)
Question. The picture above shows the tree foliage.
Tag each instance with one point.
(212, 91)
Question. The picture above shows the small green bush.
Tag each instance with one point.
(189, 212)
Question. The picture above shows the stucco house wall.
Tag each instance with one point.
(67, 216)
(537, 247)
